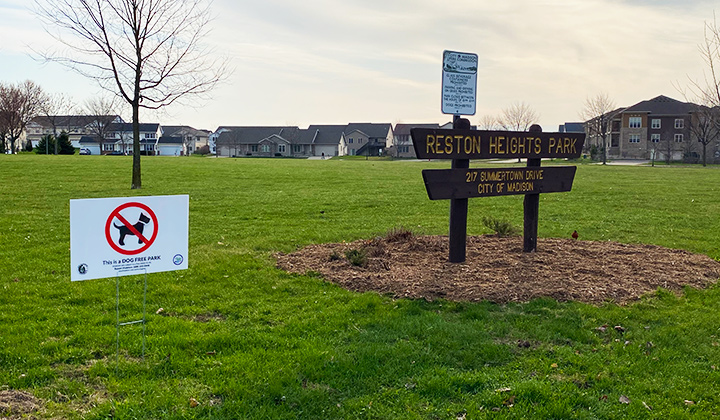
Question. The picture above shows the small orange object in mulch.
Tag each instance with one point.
(497, 270)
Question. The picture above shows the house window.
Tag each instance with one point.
(655, 123)
(350, 140)
(149, 135)
(266, 148)
(253, 147)
(108, 147)
(635, 138)
(655, 138)
(635, 122)
(297, 148)
(352, 152)
(679, 123)
(678, 137)
(281, 148)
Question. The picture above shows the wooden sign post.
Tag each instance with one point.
(462, 182)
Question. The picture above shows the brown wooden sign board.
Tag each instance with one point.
(480, 144)
(445, 184)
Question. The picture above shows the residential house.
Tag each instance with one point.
(238, 141)
(402, 145)
(76, 126)
(326, 139)
(191, 138)
(365, 139)
(120, 140)
(171, 145)
(659, 127)
(316, 140)
(572, 127)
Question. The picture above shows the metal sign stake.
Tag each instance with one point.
(118, 324)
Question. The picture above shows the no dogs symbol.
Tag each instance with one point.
(131, 228)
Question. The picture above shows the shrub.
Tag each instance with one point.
(65, 147)
(47, 142)
(202, 150)
(594, 152)
(398, 234)
(502, 228)
(357, 257)
(334, 256)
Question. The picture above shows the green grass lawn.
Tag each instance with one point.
(246, 340)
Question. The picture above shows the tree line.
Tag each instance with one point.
(21, 103)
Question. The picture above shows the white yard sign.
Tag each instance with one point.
(459, 83)
(112, 237)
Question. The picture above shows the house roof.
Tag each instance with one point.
(71, 120)
(572, 127)
(170, 140)
(88, 139)
(404, 129)
(253, 135)
(314, 134)
(663, 105)
(179, 130)
(324, 134)
(127, 127)
(372, 130)
(94, 140)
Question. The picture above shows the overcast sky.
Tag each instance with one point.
(339, 61)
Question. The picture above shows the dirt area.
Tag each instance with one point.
(496, 269)
(17, 404)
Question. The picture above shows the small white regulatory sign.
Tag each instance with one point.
(121, 236)
(459, 83)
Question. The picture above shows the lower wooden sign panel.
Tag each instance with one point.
(445, 184)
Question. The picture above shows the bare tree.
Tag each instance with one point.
(598, 114)
(56, 110)
(689, 149)
(488, 122)
(103, 114)
(19, 104)
(147, 52)
(667, 146)
(705, 118)
(4, 116)
(519, 116)
(188, 140)
(705, 127)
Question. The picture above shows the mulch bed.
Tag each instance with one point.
(17, 404)
(496, 269)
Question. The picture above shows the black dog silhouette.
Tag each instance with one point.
(139, 226)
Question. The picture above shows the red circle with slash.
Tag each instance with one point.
(133, 230)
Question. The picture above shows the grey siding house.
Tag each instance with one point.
(365, 139)
(402, 145)
(236, 141)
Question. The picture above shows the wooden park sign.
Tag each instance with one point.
(476, 144)
(462, 182)
(445, 184)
